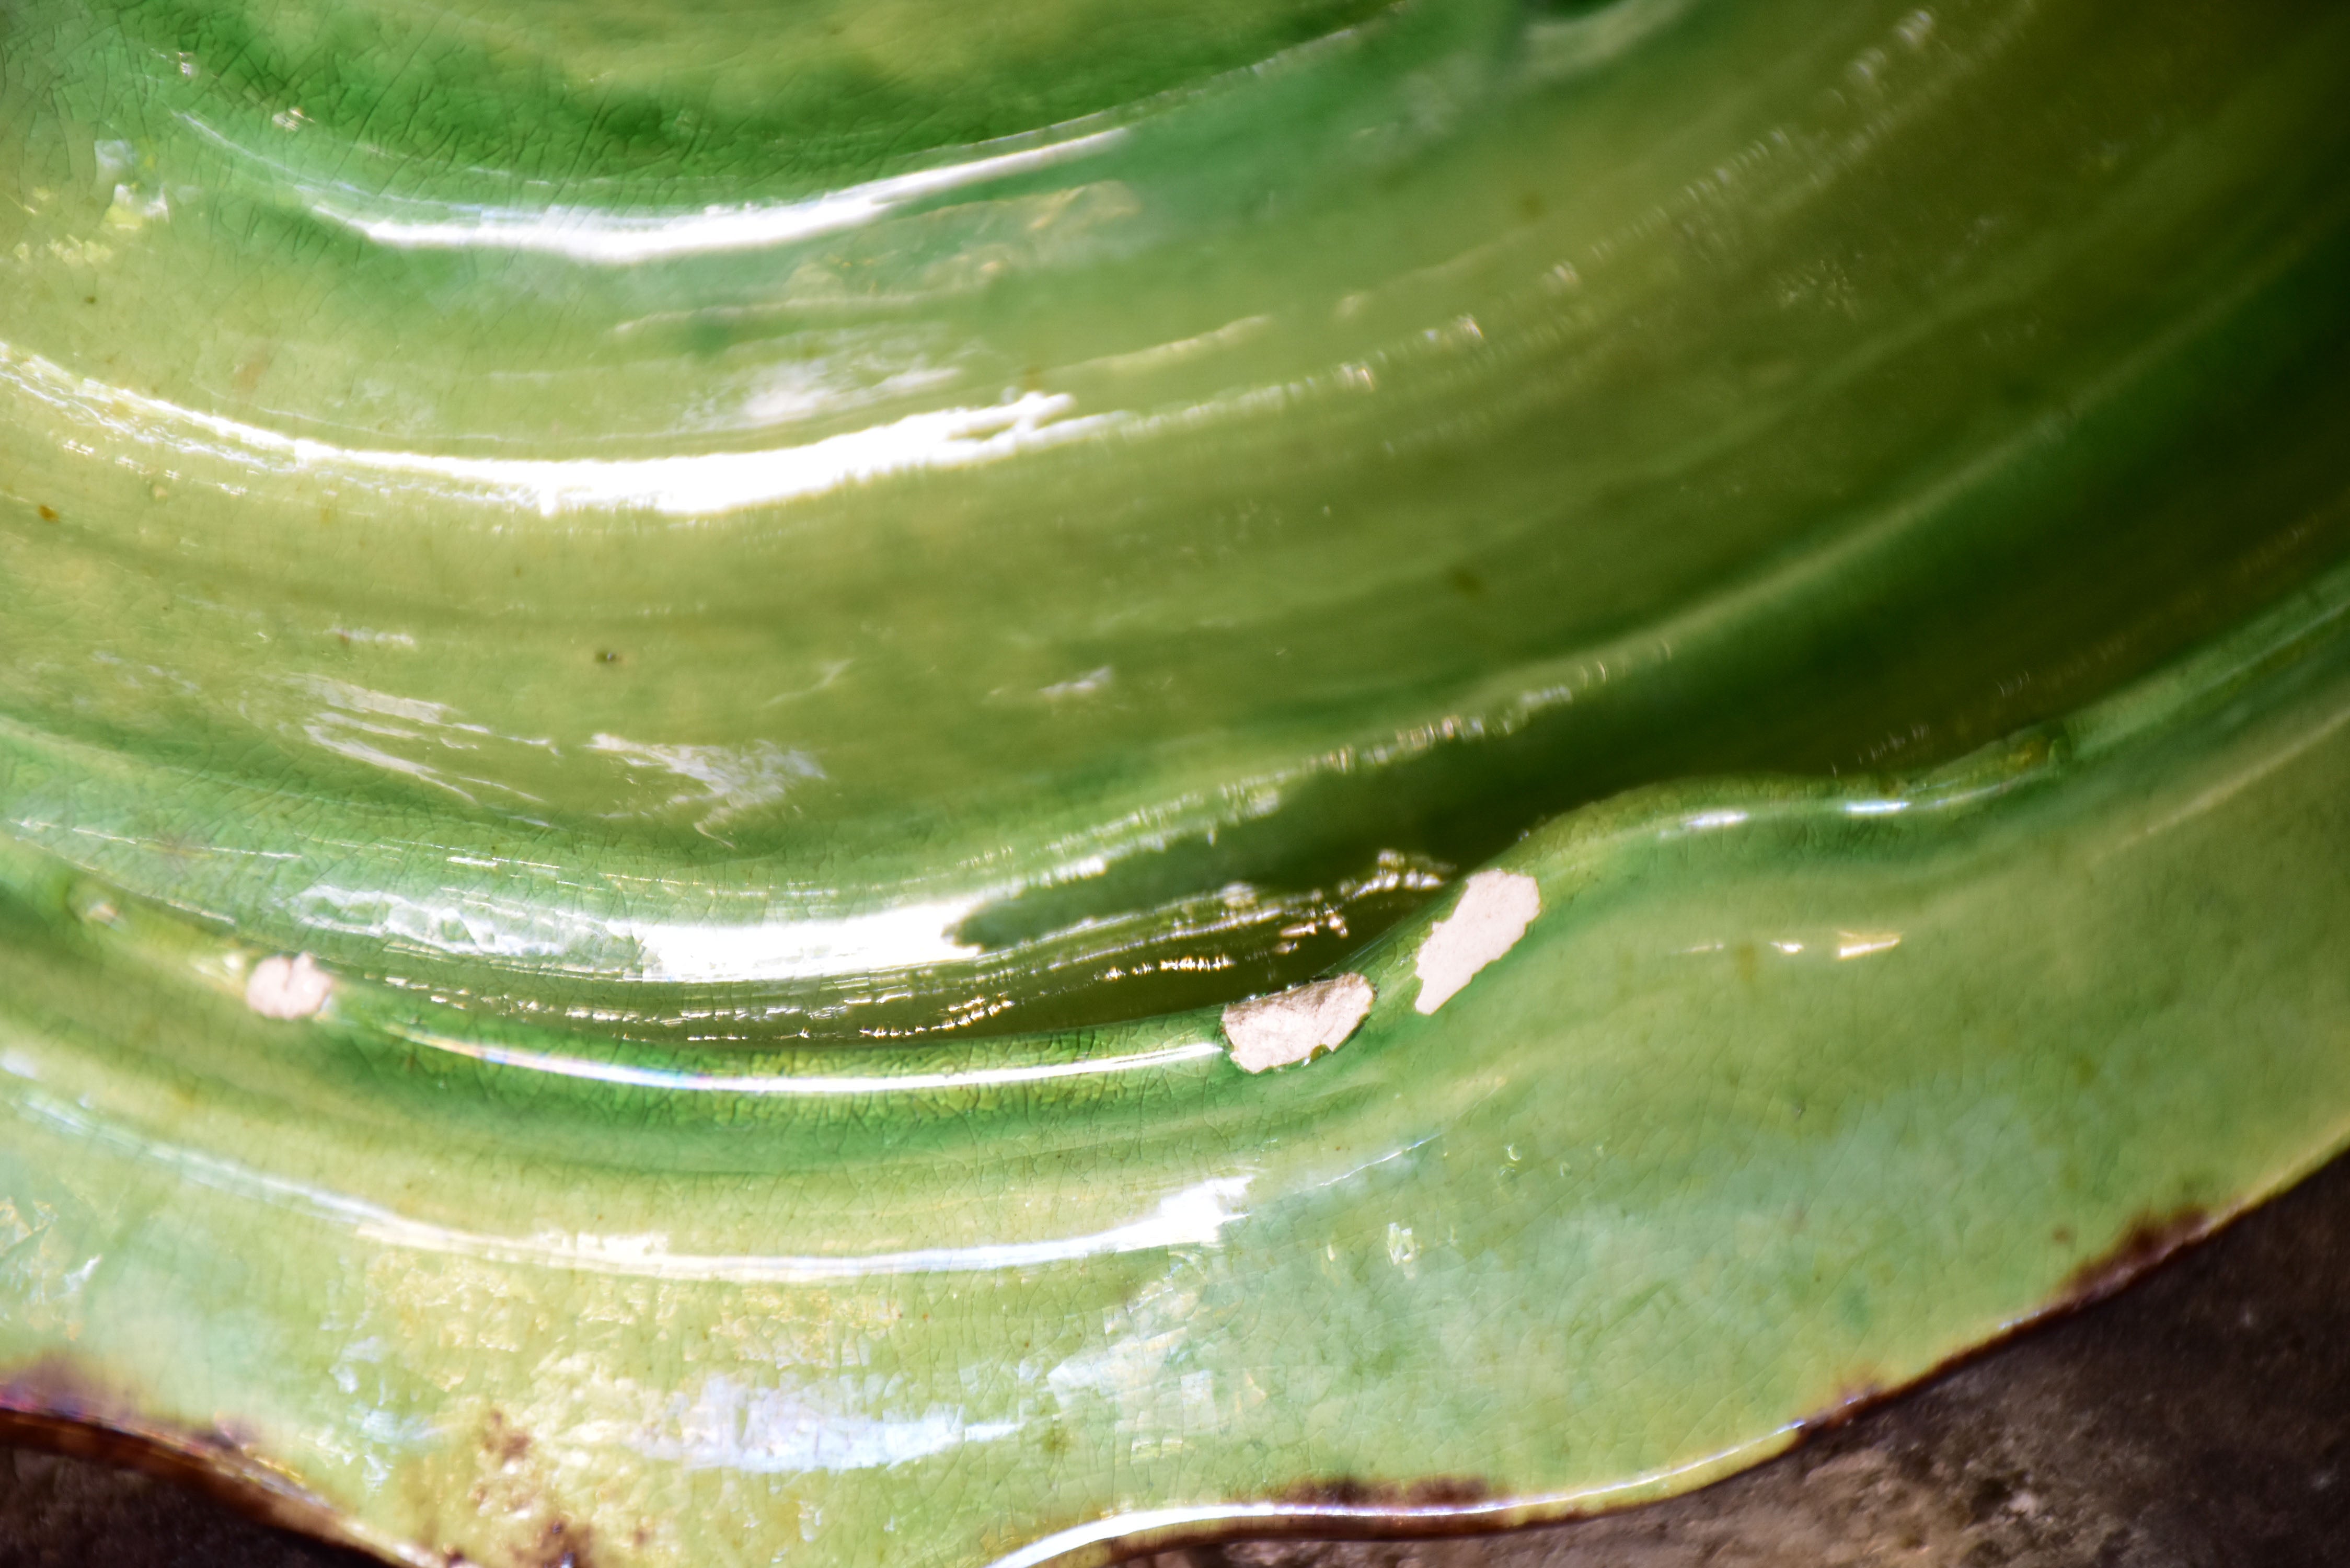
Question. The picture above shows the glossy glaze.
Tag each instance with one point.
(1064, 591)
(651, 700)
(1790, 1092)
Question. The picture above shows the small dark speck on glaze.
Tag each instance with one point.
(505, 1441)
(561, 1544)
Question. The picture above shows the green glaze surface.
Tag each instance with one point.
(660, 670)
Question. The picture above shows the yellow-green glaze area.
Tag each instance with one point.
(659, 669)
(1041, 593)
(1791, 1092)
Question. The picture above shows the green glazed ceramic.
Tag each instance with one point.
(871, 782)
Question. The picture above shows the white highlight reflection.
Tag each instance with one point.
(602, 238)
(1139, 1526)
(796, 1430)
(907, 936)
(680, 952)
(1195, 1216)
(693, 484)
(800, 1086)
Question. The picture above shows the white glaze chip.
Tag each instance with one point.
(1494, 910)
(283, 987)
(1275, 1031)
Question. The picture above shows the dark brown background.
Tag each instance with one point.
(2202, 1418)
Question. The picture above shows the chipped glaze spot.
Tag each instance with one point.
(283, 987)
(1276, 1031)
(1494, 910)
